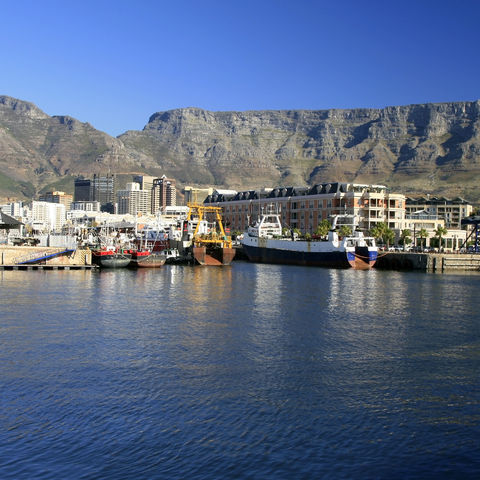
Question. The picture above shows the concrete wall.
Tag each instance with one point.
(434, 262)
(10, 255)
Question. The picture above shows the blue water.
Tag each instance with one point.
(249, 372)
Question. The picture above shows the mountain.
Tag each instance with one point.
(427, 148)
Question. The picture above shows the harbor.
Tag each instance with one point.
(43, 258)
(121, 366)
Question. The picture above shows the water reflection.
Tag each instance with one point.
(269, 370)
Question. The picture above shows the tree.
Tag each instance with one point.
(345, 231)
(323, 228)
(405, 237)
(382, 232)
(440, 232)
(422, 234)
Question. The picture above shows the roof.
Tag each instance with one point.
(473, 220)
(6, 221)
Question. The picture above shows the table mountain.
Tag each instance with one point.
(428, 148)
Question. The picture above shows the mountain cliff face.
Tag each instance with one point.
(430, 148)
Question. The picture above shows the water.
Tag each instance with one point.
(249, 371)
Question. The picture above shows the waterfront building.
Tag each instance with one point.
(452, 211)
(305, 207)
(425, 220)
(57, 197)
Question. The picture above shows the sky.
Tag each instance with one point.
(115, 63)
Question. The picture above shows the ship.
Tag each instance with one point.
(147, 259)
(265, 242)
(210, 242)
(111, 258)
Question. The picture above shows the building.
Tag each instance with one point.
(305, 207)
(164, 193)
(196, 195)
(48, 216)
(57, 197)
(104, 191)
(14, 209)
(145, 181)
(133, 200)
(82, 190)
(85, 206)
(451, 211)
(102, 188)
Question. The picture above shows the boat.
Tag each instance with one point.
(110, 248)
(210, 243)
(111, 258)
(173, 256)
(264, 242)
(147, 258)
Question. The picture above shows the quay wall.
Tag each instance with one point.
(13, 255)
(432, 262)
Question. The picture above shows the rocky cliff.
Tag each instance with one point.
(431, 148)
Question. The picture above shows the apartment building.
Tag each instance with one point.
(305, 207)
(452, 211)
(164, 193)
(133, 200)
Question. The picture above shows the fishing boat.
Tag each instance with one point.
(111, 258)
(111, 248)
(147, 258)
(264, 242)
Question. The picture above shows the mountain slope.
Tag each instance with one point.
(429, 148)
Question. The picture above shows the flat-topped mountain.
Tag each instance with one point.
(429, 148)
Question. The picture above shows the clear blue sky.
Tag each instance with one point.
(113, 63)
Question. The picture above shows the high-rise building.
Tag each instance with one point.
(57, 197)
(164, 193)
(83, 190)
(102, 188)
(133, 200)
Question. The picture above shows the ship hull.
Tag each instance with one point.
(213, 256)
(111, 259)
(331, 259)
(152, 260)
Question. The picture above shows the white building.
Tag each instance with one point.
(134, 200)
(48, 216)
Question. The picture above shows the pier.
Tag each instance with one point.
(44, 258)
(429, 262)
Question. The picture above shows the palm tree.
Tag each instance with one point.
(323, 228)
(440, 232)
(422, 234)
(405, 237)
(383, 232)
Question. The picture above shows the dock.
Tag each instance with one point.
(44, 258)
(428, 262)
